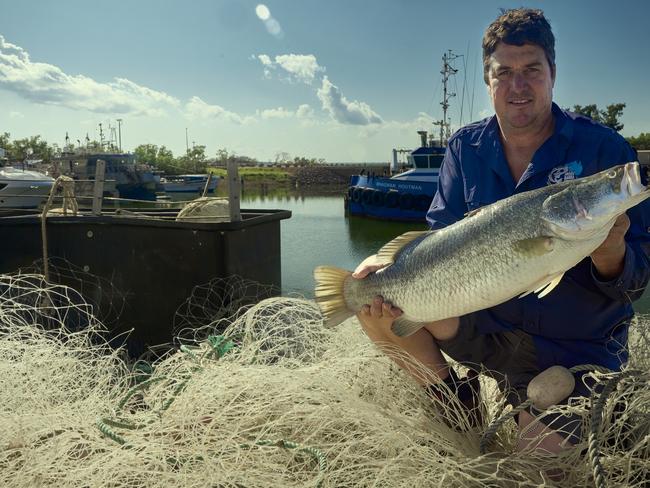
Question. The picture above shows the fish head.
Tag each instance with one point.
(590, 205)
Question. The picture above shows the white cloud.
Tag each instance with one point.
(48, 84)
(198, 109)
(344, 111)
(304, 112)
(276, 113)
(265, 60)
(300, 67)
(303, 67)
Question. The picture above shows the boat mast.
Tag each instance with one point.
(447, 71)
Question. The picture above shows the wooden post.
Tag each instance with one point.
(98, 186)
(206, 188)
(234, 192)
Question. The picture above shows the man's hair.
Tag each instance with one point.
(518, 27)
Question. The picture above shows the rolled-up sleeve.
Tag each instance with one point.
(631, 283)
(448, 205)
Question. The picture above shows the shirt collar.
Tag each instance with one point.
(489, 148)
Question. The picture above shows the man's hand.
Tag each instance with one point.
(377, 317)
(609, 257)
(369, 265)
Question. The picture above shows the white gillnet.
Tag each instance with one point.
(290, 404)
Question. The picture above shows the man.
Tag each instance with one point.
(529, 143)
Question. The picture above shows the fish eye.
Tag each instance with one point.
(611, 174)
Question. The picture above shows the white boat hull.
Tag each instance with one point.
(186, 184)
(23, 189)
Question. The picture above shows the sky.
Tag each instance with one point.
(342, 80)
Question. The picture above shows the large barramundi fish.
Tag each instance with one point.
(516, 246)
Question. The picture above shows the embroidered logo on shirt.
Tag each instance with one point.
(569, 171)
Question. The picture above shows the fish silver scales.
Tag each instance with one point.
(515, 246)
(456, 268)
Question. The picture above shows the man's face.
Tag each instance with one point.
(520, 83)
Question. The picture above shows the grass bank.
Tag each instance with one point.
(258, 175)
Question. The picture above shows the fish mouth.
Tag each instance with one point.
(632, 179)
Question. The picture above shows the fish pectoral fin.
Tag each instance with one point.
(403, 327)
(535, 246)
(547, 288)
(390, 250)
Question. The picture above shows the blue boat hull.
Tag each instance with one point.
(388, 198)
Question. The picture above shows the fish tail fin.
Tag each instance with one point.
(330, 283)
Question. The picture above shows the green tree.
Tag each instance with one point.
(224, 157)
(159, 157)
(31, 148)
(5, 140)
(640, 142)
(612, 114)
(194, 161)
(609, 117)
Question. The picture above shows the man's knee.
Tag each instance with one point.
(443, 330)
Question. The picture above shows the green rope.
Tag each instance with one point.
(496, 424)
(219, 346)
(598, 405)
(598, 402)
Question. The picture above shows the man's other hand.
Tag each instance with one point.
(608, 258)
(369, 265)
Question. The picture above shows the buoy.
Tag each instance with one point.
(406, 201)
(366, 196)
(550, 387)
(378, 198)
(392, 199)
(422, 202)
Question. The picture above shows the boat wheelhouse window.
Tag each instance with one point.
(427, 160)
(421, 161)
(435, 160)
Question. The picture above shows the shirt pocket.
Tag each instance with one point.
(473, 199)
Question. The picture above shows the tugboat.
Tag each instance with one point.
(405, 196)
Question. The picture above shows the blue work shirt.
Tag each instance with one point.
(584, 320)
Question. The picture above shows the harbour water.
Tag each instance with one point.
(319, 233)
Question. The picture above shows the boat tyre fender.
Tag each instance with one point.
(356, 194)
(366, 196)
(422, 202)
(406, 201)
(391, 200)
(378, 198)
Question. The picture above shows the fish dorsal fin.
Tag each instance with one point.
(390, 250)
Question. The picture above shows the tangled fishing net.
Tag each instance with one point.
(272, 399)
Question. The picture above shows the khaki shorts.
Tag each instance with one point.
(510, 358)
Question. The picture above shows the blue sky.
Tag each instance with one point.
(340, 80)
